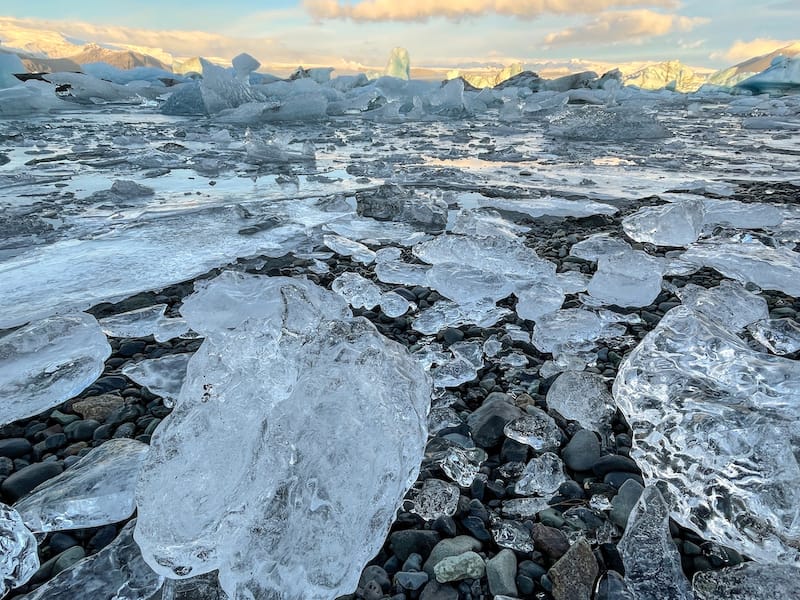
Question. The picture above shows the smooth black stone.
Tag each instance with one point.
(582, 451)
(614, 462)
(105, 384)
(550, 541)
(513, 451)
(61, 541)
(476, 528)
(126, 430)
(617, 478)
(6, 466)
(411, 580)
(611, 557)
(376, 574)
(103, 432)
(23, 481)
(128, 349)
(81, 431)
(446, 526)
(15, 447)
(525, 585)
(129, 412)
(477, 489)
(451, 335)
(434, 590)
(531, 569)
(477, 509)
(487, 422)
(405, 543)
(104, 536)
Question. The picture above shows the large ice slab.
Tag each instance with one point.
(572, 330)
(143, 322)
(284, 399)
(97, 490)
(18, 557)
(631, 278)
(47, 362)
(549, 207)
(651, 559)
(779, 336)
(729, 303)
(748, 581)
(674, 224)
(749, 260)
(718, 423)
(117, 572)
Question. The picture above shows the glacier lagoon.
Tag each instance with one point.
(397, 289)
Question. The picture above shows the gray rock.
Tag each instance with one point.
(487, 422)
(622, 504)
(582, 451)
(436, 591)
(573, 576)
(450, 547)
(550, 541)
(67, 558)
(501, 571)
(410, 541)
(24, 480)
(15, 447)
(411, 580)
(98, 408)
(464, 566)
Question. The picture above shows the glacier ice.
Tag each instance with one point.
(652, 563)
(598, 245)
(583, 397)
(549, 207)
(359, 291)
(462, 465)
(748, 581)
(537, 429)
(542, 476)
(117, 572)
(394, 305)
(730, 303)
(285, 395)
(10, 64)
(601, 124)
(97, 490)
(631, 278)
(162, 376)
(673, 224)
(222, 89)
(49, 361)
(399, 64)
(18, 557)
(718, 423)
(749, 260)
(779, 336)
(401, 273)
(346, 247)
(783, 75)
(464, 283)
(483, 312)
(572, 330)
(539, 299)
(143, 322)
(436, 498)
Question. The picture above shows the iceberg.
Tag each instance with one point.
(47, 362)
(161, 376)
(717, 424)
(10, 65)
(782, 76)
(285, 398)
(97, 490)
(399, 64)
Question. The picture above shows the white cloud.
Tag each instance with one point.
(632, 26)
(420, 10)
(741, 50)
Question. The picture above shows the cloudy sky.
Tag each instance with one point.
(713, 33)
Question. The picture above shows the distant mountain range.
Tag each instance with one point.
(48, 51)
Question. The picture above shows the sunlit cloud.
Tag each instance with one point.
(421, 10)
(742, 50)
(623, 26)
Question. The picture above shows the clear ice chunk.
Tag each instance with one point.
(583, 397)
(572, 330)
(524, 508)
(97, 490)
(162, 376)
(484, 313)
(542, 476)
(718, 423)
(748, 581)
(729, 303)
(394, 305)
(537, 429)
(401, 273)
(512, 535)
(284, 407)
(462, 465)
(539, 299)
(435, 499)
(631, 278)
(453, 373)
(385, 255)
(549, 207)
(144, 322)
(359, 291)
(779, 336)
(47, 362)
(471, 351)
(674, 224)
(117, 572)
(749, 260)
(597, 245)
(741, 215)
(346, 247)
(18, 557)
(652, 563)
(464, 283)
